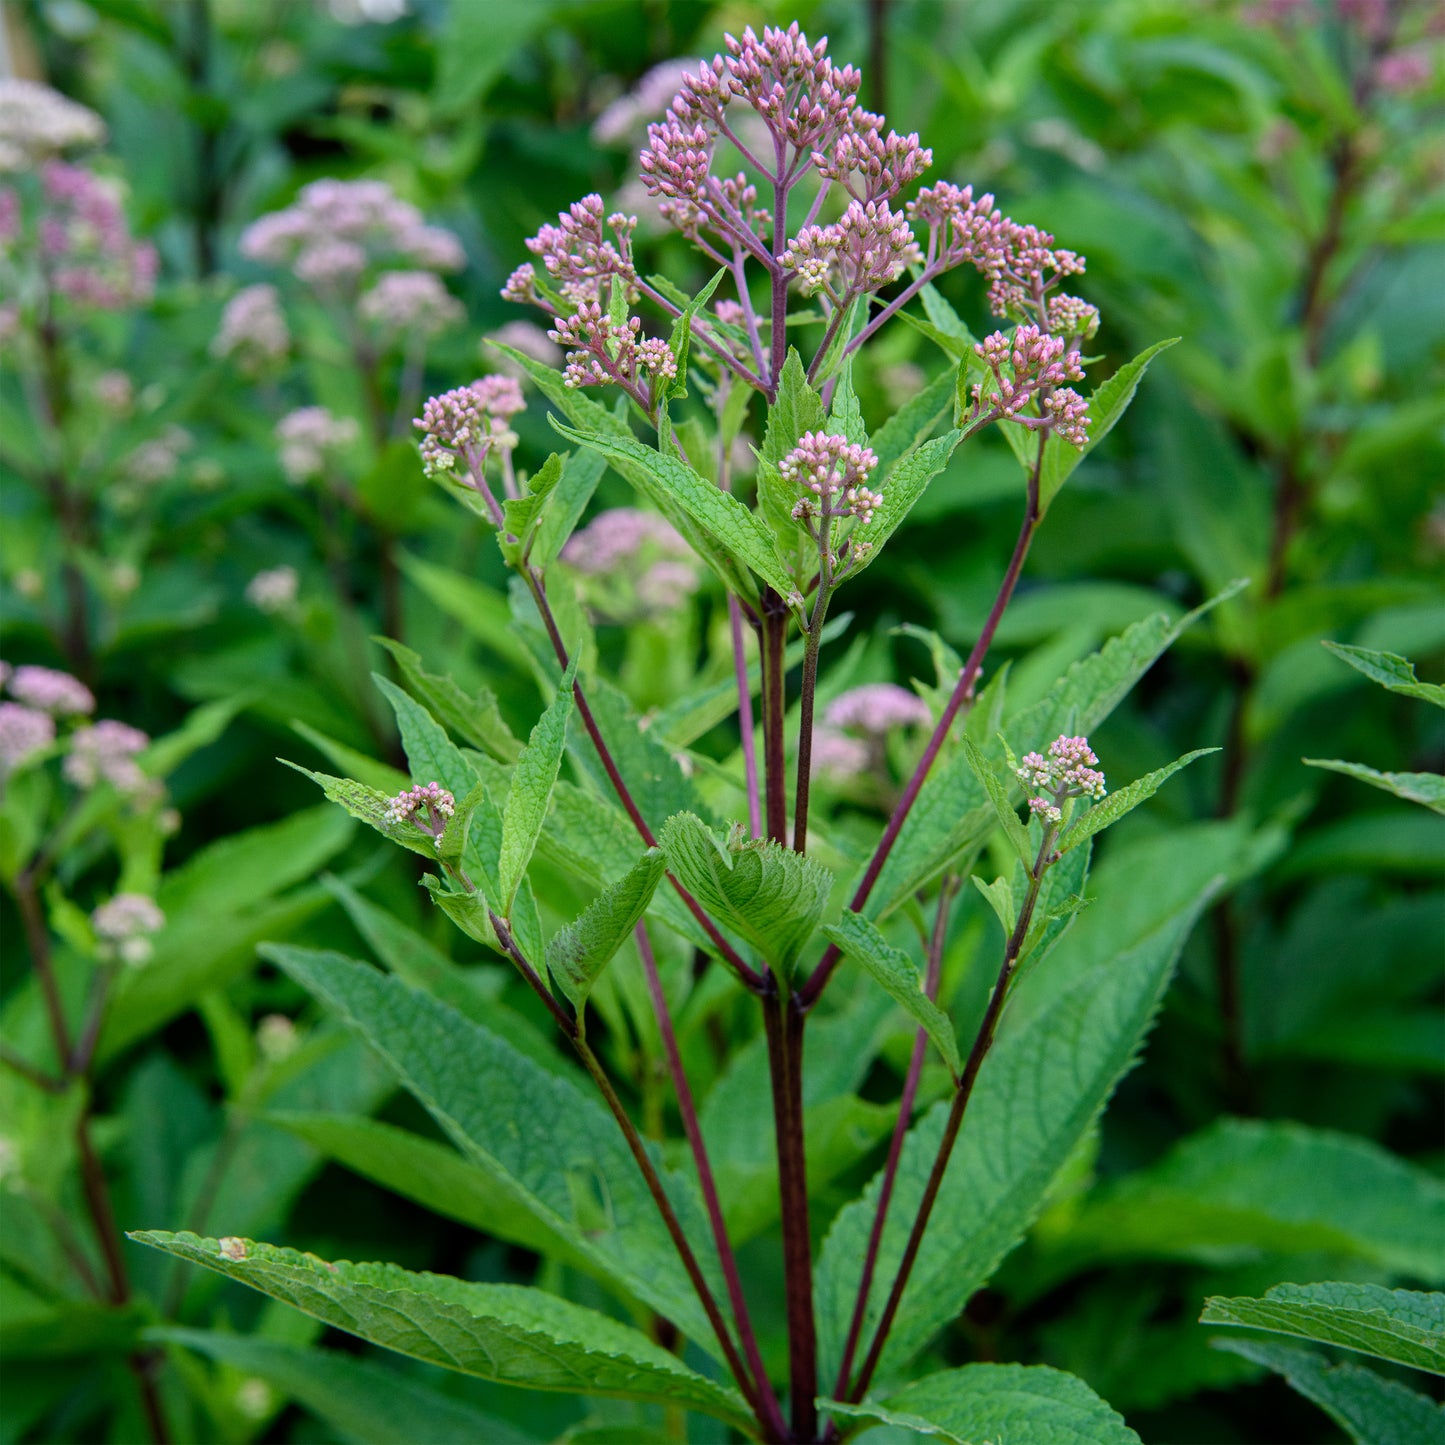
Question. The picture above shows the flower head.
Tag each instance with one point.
(426, 806)
(464, 424)
(24, 731)
(832, 473)
(641, 563)
(253, 329)
(1069, 771)
(878, 707)
(125, 926)
(310, 438)
(106, 751)
(37, 123)
(91, 258)
(51, 691)
(409, 304)
(273, 590)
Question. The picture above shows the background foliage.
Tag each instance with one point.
(1233, 181)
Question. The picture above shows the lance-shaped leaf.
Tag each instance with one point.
(577, 954)
(1102, 814)
(532, 781)
(994, 786)
(523, 513)
(1404, 1326)
(895, 973)
(798, 409)
(430, 753)
(370, 807)
(668, 479)
(474, 719)
(1016, 1404)
(1390, 670)
(680, 342)
(1370, 1409)
(1424, 788)
(501, 1332)
(550, 1148)
(902, 486)
(770, 895)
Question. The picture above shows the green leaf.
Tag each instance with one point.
(352, 763)
(1389, 670)
(770, 895)
(1107, 403)
(548, 1146)
(846, 415)
(1103, 814)
(680, 341)
(1404, 1326)
(432, 756)
(370, 806)
(1242, 1187)
(522, 513)
(1425, 788)
(363, 1399)
(798, 409)
(203, 725)
(1001, 899)
(671, 483)
(577, 954)
(500, 1332)
(903, 485)
(912, 423)
(480, 609)
(896, 975)
(1040, 1089)
(994, 786)
(1012, 1404)
(470, 58)
(475, 720)
(531, 794)
(1369, 1408)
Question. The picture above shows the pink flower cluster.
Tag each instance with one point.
(868, 247)
(85, 250)
(427, 806)
(1031, 366)
(578, 255)
(37, 123)
(875, 710)
(50, 691)
(1069, 771)
(253, 330)
(464, 424)
(642, 554)
(832, 473)
(106, 752)
(336, 229)
(24, 732)
(602, 350)
(310, 437)
(125, 925)
(409, 304)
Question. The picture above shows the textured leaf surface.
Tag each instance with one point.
(1424, 788)
(369, 806)
(578, 953)
(551, 1147)
(363, 1399)
(1041, 1087)
(896, 974)
(531, 794)
(1369, 1408)
(474, 719)
(500, 1332)
(769, 894)
(1010, 1404)
(903, 485)
(1390, 670)
(1108, 812)
(1401, 1325)
(1245, 1186)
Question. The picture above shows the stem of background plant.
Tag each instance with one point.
(779, 278)
(750, 977)
(812, 642)
(783, 1023)
(961, 700)
(572, 1031)
(703, 1164)
(900, 1132)
(772, 640)
(983, 1041)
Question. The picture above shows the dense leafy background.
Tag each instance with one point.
(1191, 152)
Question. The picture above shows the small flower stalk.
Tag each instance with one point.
(1069, 771)
(428, 807)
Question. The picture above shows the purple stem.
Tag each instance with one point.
(703, 1164)
(745, 719)
(962, 697)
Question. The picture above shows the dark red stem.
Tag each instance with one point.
(772, 638)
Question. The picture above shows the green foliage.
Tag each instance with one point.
(530, 795)
(1102, 815)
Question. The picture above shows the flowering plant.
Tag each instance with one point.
(808, 236)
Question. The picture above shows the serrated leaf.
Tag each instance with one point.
(680, 342)
(798, 409)
(523, 513)
(1040, 1089)
(1406, 1327)
(430, 753)
(578, 953)
(770, 895)
(912, 423)
(369, 806)
(369, 1403)
(993, 786)
(1427, 789)
(1010, 1404)
(1390, 670)
(475, 720)
(1103, 814)
(500, 1332)
(999, 897)
(1369, 1408)
(550, 1147)
(846, 415)
(530, 796)
(896, 975)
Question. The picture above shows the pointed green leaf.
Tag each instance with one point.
(577, 955)
(997, 790)
(353, 763)
(903, 485)
(1011, 1404)
(523, 513)
(798, 409)
(1102, 814)
(430, 753)
(369, 806)
(1424, 788)
(909, 427)
(1000, 898)
(1390, 670)
(475, 720)
(531, 794)
(1404, 1326)
(896, 975)
(500, 1332)
(1369, 1408)
(770, 895)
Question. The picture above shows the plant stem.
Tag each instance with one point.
(813, 641)
(900, 1132)
(961, 699)
(983, 1041)
(745, 718)
(703, 1164)
(772, 638)
(777, 276)
(783, 1022)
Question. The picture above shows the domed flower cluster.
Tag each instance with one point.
(851, 740)
(1069, 771)
(1031, 366)
(427, 806)
(125, 925)
(310, 438)
(867, 248)
(464, 424)
(105, 752)
(253, 330)
(24, 732)
(404, 305)
(273, 590)
(37, 123)
(832, 473)
(600, 350)
(579, 256)
(640, 563)
(51, 691)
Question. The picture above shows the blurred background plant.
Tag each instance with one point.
(240, 241)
